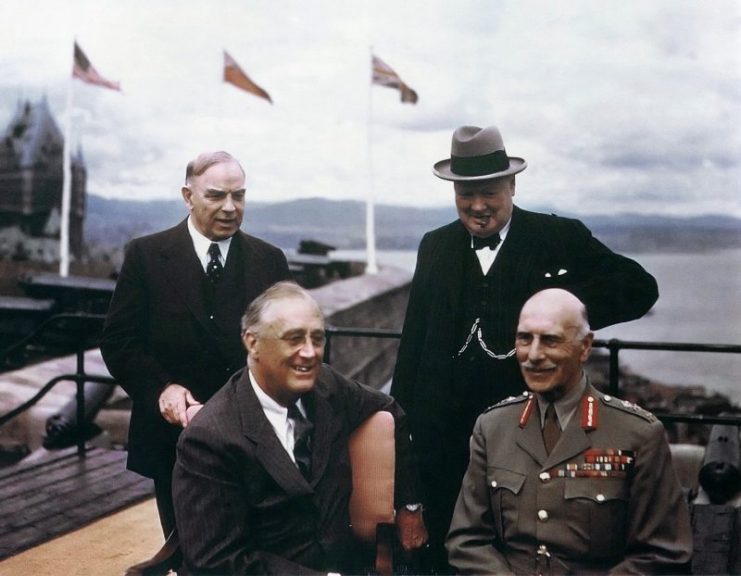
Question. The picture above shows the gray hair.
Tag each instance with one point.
(205, 160)
(286, 289)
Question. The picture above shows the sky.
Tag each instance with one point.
(629, 106)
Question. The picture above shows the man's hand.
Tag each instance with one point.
(411, 529)
(174, 401)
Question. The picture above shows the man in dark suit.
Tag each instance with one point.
(262, 479)
(565, 479)
(171, 338)
(473, 275)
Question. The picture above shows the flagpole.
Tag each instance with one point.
(370, 224)
(66, 183)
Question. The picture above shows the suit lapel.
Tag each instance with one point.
(269, 452)
(249, 272)
(181, 268)
(452, 268)
(518, 250)
(326, 427)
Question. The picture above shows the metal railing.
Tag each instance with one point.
(85, 329)
(86, 340)
(613, 346)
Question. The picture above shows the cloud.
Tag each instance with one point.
(617, 106)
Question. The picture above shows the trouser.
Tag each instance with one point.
(163, 495)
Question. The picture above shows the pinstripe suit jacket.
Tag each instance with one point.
(242, 506)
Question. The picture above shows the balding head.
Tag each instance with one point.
(553, 341)
(558, 303)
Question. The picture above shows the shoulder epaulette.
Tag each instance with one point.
(509, 401)
(628, 407)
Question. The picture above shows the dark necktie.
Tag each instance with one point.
(488, 242)
(214, 267)
(551, 429)
(302, 429)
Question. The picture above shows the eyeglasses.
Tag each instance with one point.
(298, 338)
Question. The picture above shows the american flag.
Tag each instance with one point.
(234, 75)
(84, 70)
(384, 75)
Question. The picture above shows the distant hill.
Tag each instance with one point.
(112, 223)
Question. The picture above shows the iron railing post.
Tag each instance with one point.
(80, 382)
(328, 345)
(614, 372)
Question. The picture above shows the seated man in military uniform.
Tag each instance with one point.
(565, 479)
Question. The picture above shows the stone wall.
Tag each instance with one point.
(369, 301)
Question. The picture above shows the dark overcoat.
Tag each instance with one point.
(159, 330)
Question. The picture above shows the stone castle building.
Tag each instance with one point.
(31, 172)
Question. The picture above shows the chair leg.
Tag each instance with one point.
(385, 537)
(167, 558)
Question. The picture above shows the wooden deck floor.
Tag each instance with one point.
(61, 514)
(107, 546)
(61, 493)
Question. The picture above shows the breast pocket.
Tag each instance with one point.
(597, 509)
(504, 489)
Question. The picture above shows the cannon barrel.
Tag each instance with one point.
(62, 429)
(720, 474)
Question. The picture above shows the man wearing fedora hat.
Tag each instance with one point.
(472, 277)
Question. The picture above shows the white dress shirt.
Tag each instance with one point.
(277, 415)
(486, 255)
(201, 245)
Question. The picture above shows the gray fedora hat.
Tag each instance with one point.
(477, 154)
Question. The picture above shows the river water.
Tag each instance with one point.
(700, 301)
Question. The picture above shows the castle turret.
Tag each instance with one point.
(31, 176)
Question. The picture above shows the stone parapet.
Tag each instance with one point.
(375, 301)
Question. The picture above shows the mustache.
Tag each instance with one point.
(527, 365)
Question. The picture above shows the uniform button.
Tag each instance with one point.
(544, 476)
(493, 483)
(607, 398)
(543, 515)
(600, 497)
(211, 317)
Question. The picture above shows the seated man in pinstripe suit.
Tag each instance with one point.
(262, 479)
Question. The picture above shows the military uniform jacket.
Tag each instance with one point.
(606, 499)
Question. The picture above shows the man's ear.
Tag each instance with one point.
(187, 193)
(587, 343)
(250, 344)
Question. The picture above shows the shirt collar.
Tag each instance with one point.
(566, 406)
(274, 411)
(201, 245)
(502, 235)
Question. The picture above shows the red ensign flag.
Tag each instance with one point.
(234, 75)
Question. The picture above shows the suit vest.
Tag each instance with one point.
(485, 377)
(225, 304)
